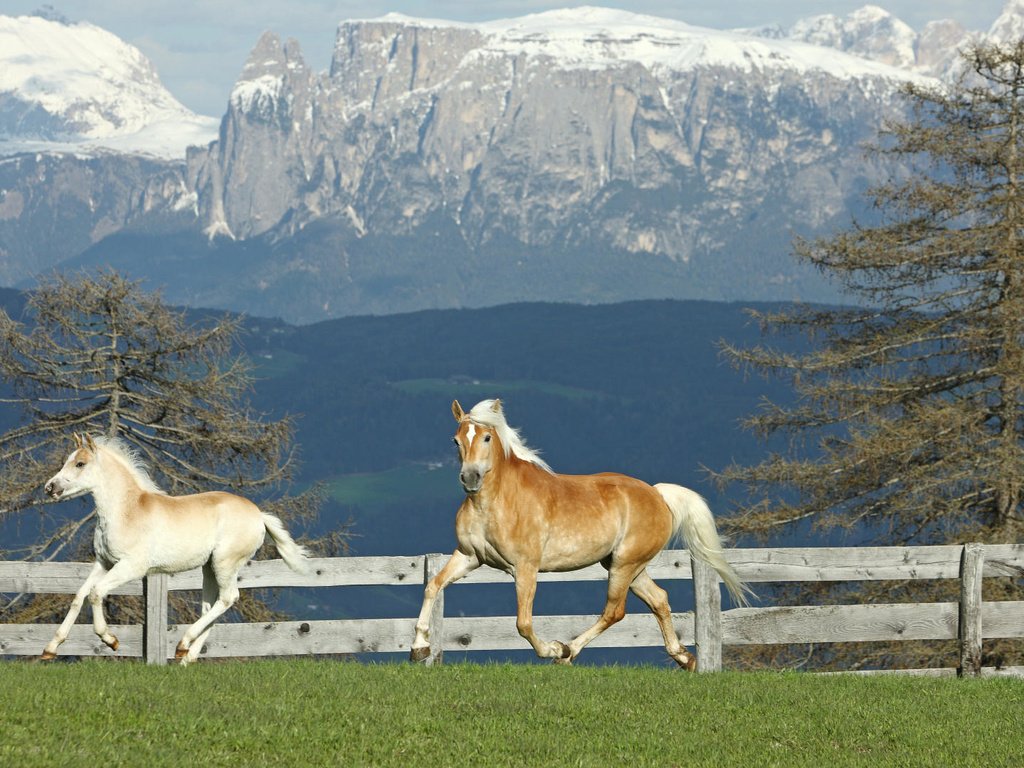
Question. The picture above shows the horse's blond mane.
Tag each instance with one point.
(484, 414)
(132, 461)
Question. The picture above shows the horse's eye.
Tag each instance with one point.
(79, 464)
(487, 438)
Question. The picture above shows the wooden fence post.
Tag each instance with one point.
(972, 562)
(154, 628)
(707, 617)
(432, 564)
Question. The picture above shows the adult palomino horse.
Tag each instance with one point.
(522, 518)
(140, 529)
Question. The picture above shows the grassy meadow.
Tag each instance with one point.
(318, 712)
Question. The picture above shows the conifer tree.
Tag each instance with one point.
(99, 355)
(911, 399)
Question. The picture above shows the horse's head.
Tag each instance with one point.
(479, 447)
(79, 473)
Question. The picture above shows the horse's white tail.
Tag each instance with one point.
(692, 519)
(293, 554)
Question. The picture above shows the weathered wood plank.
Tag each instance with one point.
(1004, 560)
(970, 630)
(495, 633)
(846, 563)
(300, 638)
(840, 623)
(30, 639)
(52, 578)
(707, 609)
(154, 597)
(1003, 619)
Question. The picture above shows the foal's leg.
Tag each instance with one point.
(122, 572)
(646, 589)
(458, 565)
(227, 593)
(526, 590)
(210, 593)
(50, 652)
(619, 579)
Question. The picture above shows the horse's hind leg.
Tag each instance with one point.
(619, 578)
(210, 593)
(191, 642)
(646, 589)
(50, 652)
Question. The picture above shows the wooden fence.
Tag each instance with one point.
(708, 627)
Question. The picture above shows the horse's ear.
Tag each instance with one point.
(89, 443)
(78, 440)
(496, 406)
(457, 411)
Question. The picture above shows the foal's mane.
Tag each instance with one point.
(131, 459)
(483, 413)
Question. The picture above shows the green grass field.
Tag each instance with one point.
(313, 713)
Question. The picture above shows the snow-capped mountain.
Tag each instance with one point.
(586, 154)
(78, 87)
(874, 34)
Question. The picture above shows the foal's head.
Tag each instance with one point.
(80, 472)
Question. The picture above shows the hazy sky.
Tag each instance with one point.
(199, 46)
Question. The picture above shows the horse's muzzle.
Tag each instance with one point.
(53, 489)
(471, 480)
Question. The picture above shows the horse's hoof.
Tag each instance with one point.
(48, 656)
(180, 651)
(565, 662)
(690, 664)
(564, 654)
(419, 654)
(112, 643)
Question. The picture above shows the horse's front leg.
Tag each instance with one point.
(526, 590)
(458, 565)
(50, 652)
(122, 572)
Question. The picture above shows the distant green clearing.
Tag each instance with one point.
(305, 713)
(489, 388)
(409, 482)
(280, 362)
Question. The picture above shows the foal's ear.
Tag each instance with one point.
(89, 443)
(457, 411)
(496, 406)
(78, 440)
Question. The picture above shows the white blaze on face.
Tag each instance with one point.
(469, 434)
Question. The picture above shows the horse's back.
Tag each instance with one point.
(590, 517)
(205, 525)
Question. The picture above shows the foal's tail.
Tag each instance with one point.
(692, 519)
(293, 554)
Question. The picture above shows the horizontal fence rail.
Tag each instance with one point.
(708, 627)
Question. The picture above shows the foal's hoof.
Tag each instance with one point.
(419, 654)
(48, 656)
(111, 642)
(180, 652)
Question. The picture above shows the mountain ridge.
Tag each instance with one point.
(585, 155)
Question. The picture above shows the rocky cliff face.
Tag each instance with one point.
(584, 155)
(593, 137)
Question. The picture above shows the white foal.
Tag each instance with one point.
(140, 529)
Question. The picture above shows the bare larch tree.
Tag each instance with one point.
(99, 355)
